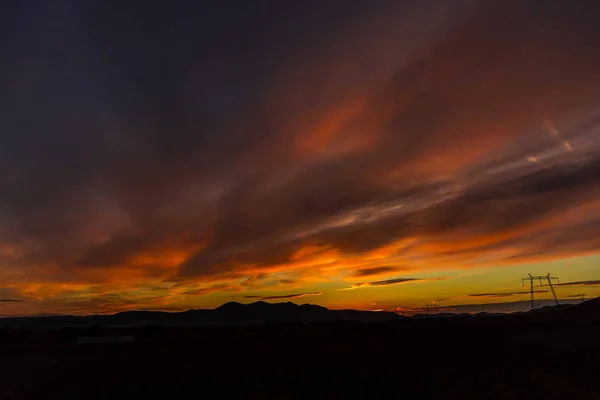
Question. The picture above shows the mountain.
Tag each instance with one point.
(232, 313)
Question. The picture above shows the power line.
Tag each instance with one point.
(540, 279)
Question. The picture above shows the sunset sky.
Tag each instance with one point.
(167, 155)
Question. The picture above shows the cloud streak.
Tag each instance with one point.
(580, 283)
(375, 271)
(394, 281)
(291, 296)
(505, 294)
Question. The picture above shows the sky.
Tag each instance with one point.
(351, 154)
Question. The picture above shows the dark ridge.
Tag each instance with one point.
(263, 313)
(232, 313)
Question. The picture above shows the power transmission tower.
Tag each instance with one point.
(433, 306)
(531, 288)
(550, 278)
(540, 278)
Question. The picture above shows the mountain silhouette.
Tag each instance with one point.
(232, 313)
(263, 313)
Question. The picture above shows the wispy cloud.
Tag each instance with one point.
(10, 301)
(395, 281)
(580, 283)
(375, 270)
(505, 294)
(291, 296)
(208, 290)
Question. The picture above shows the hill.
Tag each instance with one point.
(232, 313)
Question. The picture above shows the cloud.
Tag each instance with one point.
(304, 151)
(505, 294)
(10, 295)
(199, 292)
(337, 188)
(291, 296)
(288, 281)
(220, 287)
(395, 281)
(579, 283)
(375, 270)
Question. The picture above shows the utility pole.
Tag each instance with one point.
(530, 279)
(541, 278)
(550, 278)
(431, 306)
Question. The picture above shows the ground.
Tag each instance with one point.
(458, 358)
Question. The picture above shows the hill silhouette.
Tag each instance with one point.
(263, 313)
(232, 313)
(549, 353)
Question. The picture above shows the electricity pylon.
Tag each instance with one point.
(540, 278)
(433, 306)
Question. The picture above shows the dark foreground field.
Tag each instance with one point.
(545, 356)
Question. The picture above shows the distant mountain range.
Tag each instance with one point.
(232, 313)
(262, 313)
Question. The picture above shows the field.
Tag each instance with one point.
(513, 357)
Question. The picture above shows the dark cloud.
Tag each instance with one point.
(288, 281)
(445, 119)
(159, 288)
(375, 270)
(524, 200)
(198, 292)
(10, 295)
(579, 283)
(395, 281)
(291, 296)
(505, 294)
